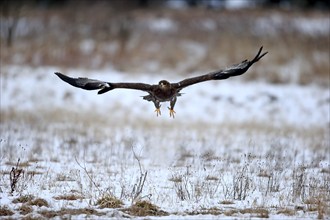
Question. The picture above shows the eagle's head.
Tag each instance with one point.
(163, 84)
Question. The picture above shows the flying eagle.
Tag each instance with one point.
(163, 91)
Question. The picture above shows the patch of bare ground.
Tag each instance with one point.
(39, 202)
(25, 209)
(30, 200)
(256, 212)
(325, 170)
(70, 197)
(5, 211)
(207, 211)
(20, 165)
(227, 202)
(211, 178)
(71, 212)
(144, 208)
(287, 211)
(23, 199)
(32, 217)
(231, 212)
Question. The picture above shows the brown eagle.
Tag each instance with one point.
(163, 91)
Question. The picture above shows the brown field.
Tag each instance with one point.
(187, 41)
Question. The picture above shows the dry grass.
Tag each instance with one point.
(211, 178)
(253, 212)
(39, 202)
(207, 211)
(20, 165)
(62, 177)
(30, 200)
(256, 212)
(109, 201)
(32, 217)
(14, 118)
(231, 212)
(317, 204)
(23, 199)
(25, 209)
(71, 212)
(227, 202)
(69, 197)
(144, 208)
(124, 40)
(287, 212)
(5, 211)
(175, 179)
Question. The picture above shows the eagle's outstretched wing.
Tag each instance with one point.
(234, 70)
(93, 84)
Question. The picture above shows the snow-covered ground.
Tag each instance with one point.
(212, 102)
(235, 149)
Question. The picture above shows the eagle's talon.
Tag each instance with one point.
(172, 112)
(158, 112)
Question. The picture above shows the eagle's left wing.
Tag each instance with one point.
(234, 70)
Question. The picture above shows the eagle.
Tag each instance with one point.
(164, 91)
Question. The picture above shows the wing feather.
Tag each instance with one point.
(93, 84)
(138, 86)
(235, 70)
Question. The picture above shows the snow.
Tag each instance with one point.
(210, 137)
(230, 100)
(87, 46)
(272, 139)
(162, 25)
(238, 4)
(208, 24)
(311, 26)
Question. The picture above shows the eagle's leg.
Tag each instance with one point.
(172, 112)
(172, 103)
(157, 110)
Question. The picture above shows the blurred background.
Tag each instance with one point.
(170, 36)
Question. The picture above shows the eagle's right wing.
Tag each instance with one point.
(93, 84)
